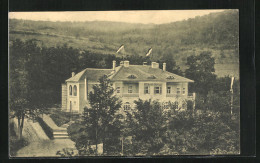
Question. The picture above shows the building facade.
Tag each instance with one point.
(131, 82)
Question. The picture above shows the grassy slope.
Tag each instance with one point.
(179, 39)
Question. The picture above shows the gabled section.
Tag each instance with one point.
(92, 74)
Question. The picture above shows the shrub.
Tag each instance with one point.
(60, 117)
(208, 132)
(190, 105)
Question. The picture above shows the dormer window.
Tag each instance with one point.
(152, 77)
(131, 77)
(170, 77)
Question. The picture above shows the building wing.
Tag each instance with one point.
(92, 74)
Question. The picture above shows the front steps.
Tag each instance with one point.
(60, 133)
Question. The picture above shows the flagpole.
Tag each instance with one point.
(149, 55)
(232, 96)
(121, 48)
(231, 107)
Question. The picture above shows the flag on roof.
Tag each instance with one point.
(149, 52)
(232, 81)
(121, 49)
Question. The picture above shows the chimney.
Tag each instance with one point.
(126, 63)
(144, 63)
(164, 66)
(155, 65)
(114, 64)
(72, 74)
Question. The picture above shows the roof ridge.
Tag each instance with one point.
(97, 69)
(76, 75)
(144, 72)
(116, 72)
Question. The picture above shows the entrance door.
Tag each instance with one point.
(70, 106)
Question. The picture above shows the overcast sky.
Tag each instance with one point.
(148, 16)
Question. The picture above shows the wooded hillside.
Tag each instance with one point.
(216, 32)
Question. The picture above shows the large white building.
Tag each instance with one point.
(130, 82)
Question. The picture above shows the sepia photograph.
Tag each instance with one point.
(125, 83)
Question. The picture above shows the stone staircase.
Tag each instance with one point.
(58, 132)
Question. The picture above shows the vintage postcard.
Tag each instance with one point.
(124, 83)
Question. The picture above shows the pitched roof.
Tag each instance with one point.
(93, 74)
(145, 73)
(131, 73)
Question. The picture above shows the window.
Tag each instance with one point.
(165, 105)
(118, 90)
(183, 90)
(157, 89)
(130, 89)
(176, 105)
(170, 77)
(146, 89)
(75, 90)
(178, 91)
(151, 77)
(70, 90)
(127, 106)
(168, 90)
(131, 77)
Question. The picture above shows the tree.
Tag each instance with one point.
(148, 127)
(100, 122)
(22, 97)
(201, 70)
(205, 132)
(171, 65)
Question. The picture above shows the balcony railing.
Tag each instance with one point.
(190, 96)
(175, 95)
(130, 95)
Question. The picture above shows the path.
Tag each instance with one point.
(40, 145)
(45, 148)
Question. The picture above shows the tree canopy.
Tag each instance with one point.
(100, 122)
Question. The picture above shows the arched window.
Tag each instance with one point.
(75, 90)
(70, 90)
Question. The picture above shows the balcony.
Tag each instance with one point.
(190, 96)
(130, 95)
(174, 95)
